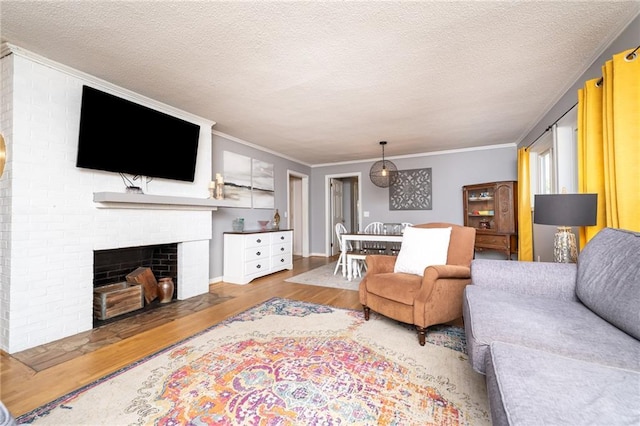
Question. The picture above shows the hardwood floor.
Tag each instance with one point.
(34, 377)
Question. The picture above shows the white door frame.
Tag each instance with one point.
(305, 208)
(327, 205)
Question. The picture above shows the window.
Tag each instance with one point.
(541, 163)
(545, 172)
(553, 158)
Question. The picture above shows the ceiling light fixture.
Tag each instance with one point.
(380, 170)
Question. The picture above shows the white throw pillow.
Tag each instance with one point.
(422, 247)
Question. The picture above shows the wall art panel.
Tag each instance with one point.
(410, 190)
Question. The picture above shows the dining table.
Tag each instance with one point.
(361, 237)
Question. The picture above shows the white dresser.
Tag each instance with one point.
(249, 255)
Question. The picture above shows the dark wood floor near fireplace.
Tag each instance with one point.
(54, 353)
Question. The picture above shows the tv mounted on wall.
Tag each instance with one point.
(121, 136)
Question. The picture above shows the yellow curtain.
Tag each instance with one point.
(609, 144)
(525, 227)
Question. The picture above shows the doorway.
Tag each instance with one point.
(342, 203)
(297, 214)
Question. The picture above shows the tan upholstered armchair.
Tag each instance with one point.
(434, 298)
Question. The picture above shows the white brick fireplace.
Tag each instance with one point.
(50, 224)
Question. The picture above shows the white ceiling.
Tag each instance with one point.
(325, 81)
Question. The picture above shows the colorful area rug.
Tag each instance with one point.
(323, 276)
(287, 362)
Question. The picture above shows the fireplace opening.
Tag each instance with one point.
(110, 269)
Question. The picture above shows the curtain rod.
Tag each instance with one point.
(631, 56)
(551, 125)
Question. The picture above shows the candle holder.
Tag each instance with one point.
(219, 191)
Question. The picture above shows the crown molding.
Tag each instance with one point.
(7, 49)
(258, 147)
(422, 154)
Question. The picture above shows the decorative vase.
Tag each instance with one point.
(238, 224)
(165, 290)
(276, 220)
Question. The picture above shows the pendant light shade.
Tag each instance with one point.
(381, 170)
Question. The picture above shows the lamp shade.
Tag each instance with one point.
(565, 209)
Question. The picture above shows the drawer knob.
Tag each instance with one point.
(281, 248)
(258, 266)
(282, 260)
(258, 240)
(282, 237)
(258, 253)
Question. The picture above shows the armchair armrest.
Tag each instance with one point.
(446, 277)
(435, 272)
(545, 279)
(440, 297)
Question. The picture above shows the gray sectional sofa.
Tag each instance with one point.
(559, 343)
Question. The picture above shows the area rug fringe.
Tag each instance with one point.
(287, 362)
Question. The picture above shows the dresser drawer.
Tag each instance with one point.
(281, 261)
(500, 242)
(256, 240)
(281, 237)
(278, 249)
(260, 266)
(255, 253)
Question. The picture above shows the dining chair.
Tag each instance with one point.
(374, 228)
(356, 261)
(369, 246)
(395, 247)
(342, 260)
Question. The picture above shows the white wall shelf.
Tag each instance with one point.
(124, 200)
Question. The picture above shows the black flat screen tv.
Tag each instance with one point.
(118, 135)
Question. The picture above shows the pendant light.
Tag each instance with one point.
(381, 170)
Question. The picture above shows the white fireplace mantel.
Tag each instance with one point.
(124, 200)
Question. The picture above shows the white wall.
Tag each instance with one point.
(50, 224)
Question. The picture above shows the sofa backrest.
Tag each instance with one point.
(608, 279)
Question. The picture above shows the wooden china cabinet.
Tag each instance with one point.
(492, 209)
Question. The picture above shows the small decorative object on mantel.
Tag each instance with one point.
(263, 224)
(219, 187)
(276, 220)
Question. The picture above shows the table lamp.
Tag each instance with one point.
(565, 211)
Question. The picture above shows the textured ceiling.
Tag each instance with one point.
(323, 82)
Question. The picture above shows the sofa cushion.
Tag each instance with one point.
(532, 387)
(563, 327)
(608, 279)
